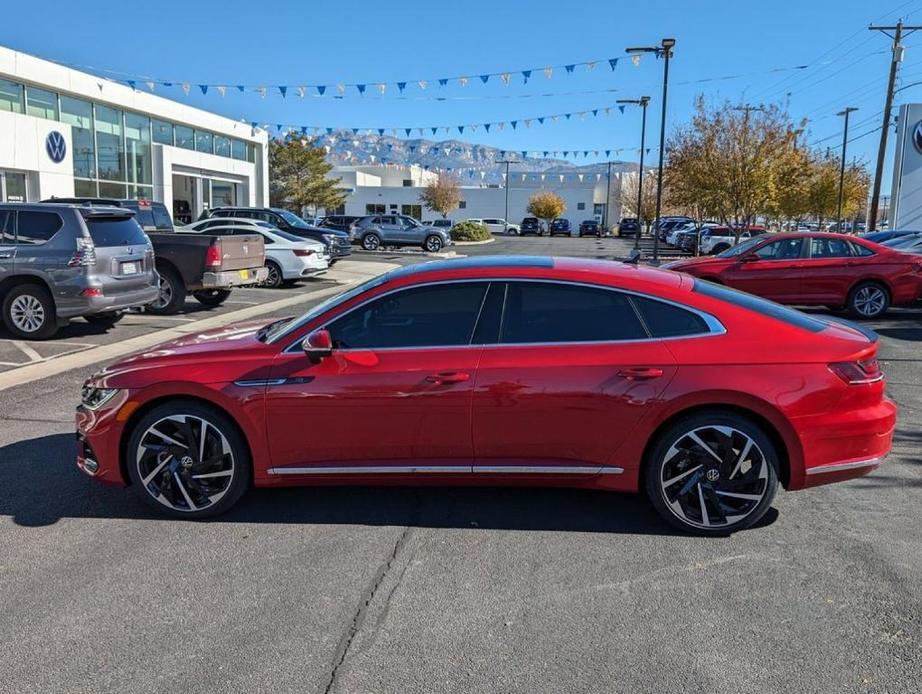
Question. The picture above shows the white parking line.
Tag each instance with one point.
(54, 366)
(248, 303)
(27, 350)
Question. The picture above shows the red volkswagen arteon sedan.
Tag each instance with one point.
(502, 371)
(815, 269)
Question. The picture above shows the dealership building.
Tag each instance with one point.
(64, 133)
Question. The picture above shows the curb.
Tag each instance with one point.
(472, 243)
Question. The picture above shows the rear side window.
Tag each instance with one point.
(38, 227)
(119, 231)
(7, 230)
(545, 312)
(667, 320)
(758, 305)
(860, 250)
(162, 217)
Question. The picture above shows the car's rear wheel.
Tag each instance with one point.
(28, 312)
(868, 300)
(188, 460)
(212, 297)
(712, 473)
(274, 278)
(104, 320)
(433, 244)
(371, 242)
(172, 293)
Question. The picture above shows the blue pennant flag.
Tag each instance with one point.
(460, 128)
(426, 167)
(621, 108)
(613, 62)
(513, 123)
(470, 173)
(329, 131)
(443, 81)
(541, 120)
(283, 90)
(567, 115)
(484, 78)
(131, 83)
(355, 131)
(380, 131)
(390, 146)
(412, 148)
(241, 88)
(401, 86)
(304, 130)
(502, 154)
(544, 153)
(526, 74)
(647, 150)
(566, 152)
(607, 152)
(569, 68)
(524, 154)
(434, 150)
(204, 88)
(585, 153)
(595, 112)
(167, 84)
(486, 126)
(321, 89)
(408, 131)
(361, 88)
(433, 130)
(254, 123)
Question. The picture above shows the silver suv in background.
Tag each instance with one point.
(62, 261)
(375, 231)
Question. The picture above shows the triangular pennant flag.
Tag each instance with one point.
(382, 87)
(241, 88)
(401, 86)
(434, 130)
(186, 87)
(380, 131)
(300, 91)
(548, 72)
(462, 81)
(443, 81)
(460, 128)
(590, 66)
(321, 89)
(361, 88)
(341, 88)
(261, 91)
(647, 150)
(621, 108)
(527, 122)
(420, 131)
(505, 77)
(569, 68)
(567, 115)
(541, 120)
(613, 63)
(304, 130)
(580, 177)
(598, 177)
(484, 78)
(412, 148)
(486, 126)
(561, 178)
(222, 90)
(131, 83)
(513, 123)
(329, 131)
(204, 88)
(500, 126)
(355, 131)
(544, 153)
(543, 176)
(149, 85)
(526, 74)
(524, 176)
(566, 152)
(423, 84)
(283, 90)
(408, 131)
(595, 112)
(254, 123)
(635, 59)
(524, 154)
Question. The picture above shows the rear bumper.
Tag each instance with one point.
(234, 278)
(123, 299)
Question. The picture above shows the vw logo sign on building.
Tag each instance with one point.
(56, 146)
(917, 136)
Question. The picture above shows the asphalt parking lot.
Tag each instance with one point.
(442, 590)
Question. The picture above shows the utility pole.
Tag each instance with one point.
(845, 113)
(506, 186)
(746, 109)
(901, 30)
(608, 198)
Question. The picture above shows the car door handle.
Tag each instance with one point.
(641, 373)
(448, 377)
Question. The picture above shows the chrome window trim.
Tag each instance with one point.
(715, 327)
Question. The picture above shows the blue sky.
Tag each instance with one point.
(348, 42)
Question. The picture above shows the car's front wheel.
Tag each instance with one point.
(433, 244)
(188, 460)
(868, 300)
(712, 473)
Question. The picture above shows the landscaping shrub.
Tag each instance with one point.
(470, 231)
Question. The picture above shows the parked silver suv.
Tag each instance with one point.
(375, 231)
(62, 261)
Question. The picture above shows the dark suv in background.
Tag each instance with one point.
(628, 227)
(531, 225)
(62, 261)
(342, 222)
(338, 243)
(560, 226)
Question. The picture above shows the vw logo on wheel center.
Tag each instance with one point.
(712, 475)
(56, 146)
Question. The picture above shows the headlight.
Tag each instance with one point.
(93, 398)
(329, 238)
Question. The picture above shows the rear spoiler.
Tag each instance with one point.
(867, 332)
(106, 212)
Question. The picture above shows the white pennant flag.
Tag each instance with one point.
(543, 177)
(500, 126)
(462, 81)
(341, 88)
(301, 91)
(561, 178)
(635, 59)
(261, 91)
(186, 87)
(504, 176)
(580, 177)
(527, 122)
(598, 177)
(447, 129)
(548, 72)
(326, 149)
(394, 132)
(590, 66)
(150, 85)
(505, 77)
(222, 90)
(423, 84)
(524, 177)
(382, 87)
(483, 175)
(371, 158)
(608, 111)
(421, 131)
(582, 115)
(555, 118)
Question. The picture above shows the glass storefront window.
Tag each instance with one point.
(185, 137)
(84, 189)
(79, 115)
(163, 132)
(141, 192)
(204, 142)
(251, 152)
(239, 149)
(41, 103)
(10, 96)
(112, 190)
(110, 144)
(222, 146)
(14, 187)
(137, 146)
(223, 193)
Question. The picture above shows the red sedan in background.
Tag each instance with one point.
(815, 269)
(502, 371)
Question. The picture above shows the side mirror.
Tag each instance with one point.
(317, 345)
(633, 258)
(749, 258)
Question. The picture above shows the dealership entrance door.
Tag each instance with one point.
(193, 194)
(185, 199)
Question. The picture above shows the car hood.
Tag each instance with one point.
(223, 354)
(695, 263)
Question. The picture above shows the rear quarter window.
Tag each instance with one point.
(37, 227)
(667, 320)
(758, 305)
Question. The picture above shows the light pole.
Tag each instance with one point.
(506, 186)
(845, 113)
(664, 50)
(608, 199)
(642, 102)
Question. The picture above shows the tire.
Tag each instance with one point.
(172, 293)
(371, 241)
(274, 279)
(164, 446)
(868, 300)
(29, 313)
(433, 244)
(691, 490)
(211, 297)
(104, 320)
(719, 248)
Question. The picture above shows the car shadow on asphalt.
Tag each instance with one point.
(40, 484)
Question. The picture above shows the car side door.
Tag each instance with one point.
(394, 396)
(831, 268)
(7, 243)
(773, 270)
(567, 379)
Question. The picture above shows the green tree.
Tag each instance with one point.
(547, 206)
(442, 195)
(298, 176)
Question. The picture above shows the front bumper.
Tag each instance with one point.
(234, 278)
(98, 435)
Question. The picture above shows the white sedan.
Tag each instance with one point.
(497, 226)
(288, 257)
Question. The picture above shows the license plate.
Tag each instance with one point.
(244, 274)
(129, 268)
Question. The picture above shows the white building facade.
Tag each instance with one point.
(67, 133)
(397, 190)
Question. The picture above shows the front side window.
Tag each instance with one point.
(7, 224)
(439, 315)
(37, 227)
(783, 249)
(546, 312)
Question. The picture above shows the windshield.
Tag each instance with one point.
(292, 219)
(279, 329)
(741, 248)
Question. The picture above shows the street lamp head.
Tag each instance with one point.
(642, 49)
(849, 109)
(668, 43)
(644, 100)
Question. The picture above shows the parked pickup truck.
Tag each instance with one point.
(203, 265)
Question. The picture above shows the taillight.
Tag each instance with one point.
(858, 372)
(92, 292)
(213, 256)
(301, 252)
(85, 254)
